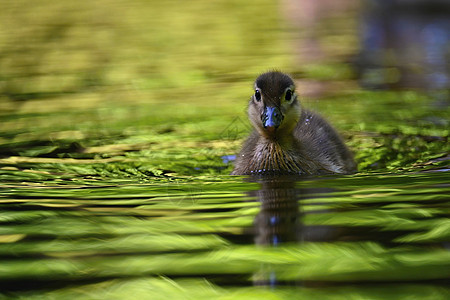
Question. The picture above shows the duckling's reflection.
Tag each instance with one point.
(280, 218)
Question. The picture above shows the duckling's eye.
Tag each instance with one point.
(288, 95)
(258, 95)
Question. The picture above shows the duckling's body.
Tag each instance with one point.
(287, 138)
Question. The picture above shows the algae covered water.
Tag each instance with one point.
(119, 122)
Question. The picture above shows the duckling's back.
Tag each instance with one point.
(321, 143)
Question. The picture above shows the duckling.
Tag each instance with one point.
(287, 138)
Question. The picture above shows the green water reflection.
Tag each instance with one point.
(314, 233)
(117, 124)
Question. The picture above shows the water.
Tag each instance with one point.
(116, 143)
(378, 235)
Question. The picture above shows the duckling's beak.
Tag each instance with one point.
(271, 118)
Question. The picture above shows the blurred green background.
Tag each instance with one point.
(166, 83)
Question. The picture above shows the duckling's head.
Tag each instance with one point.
(274, 109)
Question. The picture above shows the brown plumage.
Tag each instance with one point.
(287, 138)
